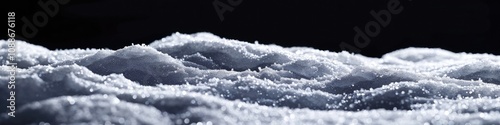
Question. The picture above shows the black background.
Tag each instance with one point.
(456, 25)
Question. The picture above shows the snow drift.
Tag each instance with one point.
(204, 79)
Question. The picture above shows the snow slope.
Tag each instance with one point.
(204, 79)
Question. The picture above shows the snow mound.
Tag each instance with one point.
(204, 79)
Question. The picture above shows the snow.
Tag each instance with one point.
(204, 79)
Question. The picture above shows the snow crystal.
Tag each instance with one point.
(204, 79)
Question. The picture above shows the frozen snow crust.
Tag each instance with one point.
(204, 79)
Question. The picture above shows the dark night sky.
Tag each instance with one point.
(456, 25)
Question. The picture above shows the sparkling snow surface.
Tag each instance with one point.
(204, 79)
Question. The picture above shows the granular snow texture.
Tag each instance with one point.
(204, 79)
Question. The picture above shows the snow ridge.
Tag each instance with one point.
(204, 79)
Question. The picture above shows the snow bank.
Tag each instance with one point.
(205, 79)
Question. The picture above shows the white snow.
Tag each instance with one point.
(204, 79)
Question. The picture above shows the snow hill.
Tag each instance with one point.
(204, 79)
